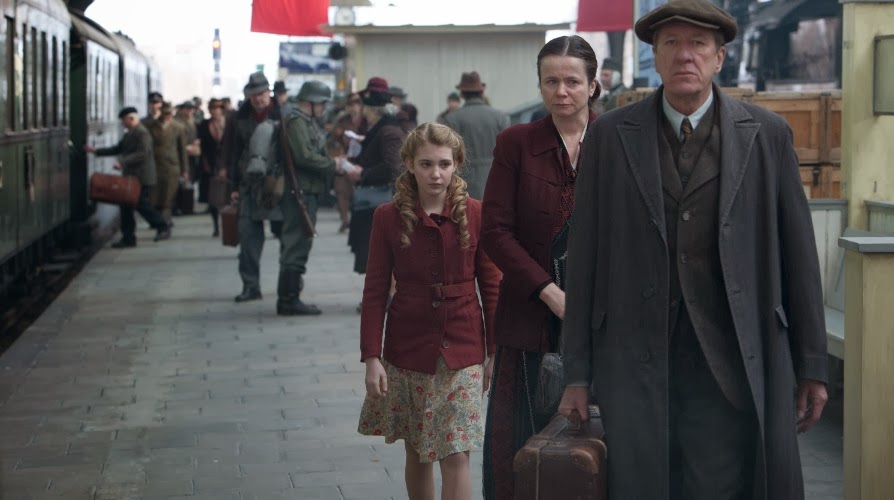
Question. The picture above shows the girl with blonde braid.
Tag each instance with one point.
(426, 384)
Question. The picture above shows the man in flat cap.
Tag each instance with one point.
(612, 85)
(135, 158)
(258, 108)
(478, 124)
(695, 308)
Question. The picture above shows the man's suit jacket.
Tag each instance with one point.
(135, 155)
(616, 323)
(478, 124)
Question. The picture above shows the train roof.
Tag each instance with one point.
(128, 49)
(89, 29)
(53, 8)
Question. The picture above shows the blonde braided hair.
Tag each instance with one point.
(406, 195)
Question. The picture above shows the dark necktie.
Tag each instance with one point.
(686, 128)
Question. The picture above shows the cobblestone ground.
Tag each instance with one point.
(145, 381)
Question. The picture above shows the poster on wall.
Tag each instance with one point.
(645, 60)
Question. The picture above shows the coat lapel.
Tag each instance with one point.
(638, 135)
(737, 130)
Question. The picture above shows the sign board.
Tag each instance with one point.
(308, 58)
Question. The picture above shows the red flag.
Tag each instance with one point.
(604, 15)
(290, 17)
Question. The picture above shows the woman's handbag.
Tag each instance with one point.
(551, 376)
(218, 191)
(370, 197)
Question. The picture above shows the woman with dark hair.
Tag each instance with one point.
(373, 171)
(210, 134)
(528, 202)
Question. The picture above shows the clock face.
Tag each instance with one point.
(344, 16)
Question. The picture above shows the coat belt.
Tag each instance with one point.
(438, 291)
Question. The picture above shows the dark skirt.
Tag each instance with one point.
(203, 183)
(510, 420)
(358, 237)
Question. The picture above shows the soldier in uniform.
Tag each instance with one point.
(186, 117)
(170, 159)
(312, 169)
(258, 108)
(155, 102)
(135, 158)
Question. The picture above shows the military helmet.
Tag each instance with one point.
(314, 91)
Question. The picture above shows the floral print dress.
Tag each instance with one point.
(437, 415)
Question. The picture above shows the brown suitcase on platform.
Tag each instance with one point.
(561, 463)
(115, 189)
(229, 225)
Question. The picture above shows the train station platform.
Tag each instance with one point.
(144, 380)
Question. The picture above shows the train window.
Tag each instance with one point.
(97, 91)
(55, 84)
(44, 70)
(26, 79)
(64, 79)
(10, 73)
(35, 78)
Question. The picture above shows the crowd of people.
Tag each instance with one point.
(664, 249)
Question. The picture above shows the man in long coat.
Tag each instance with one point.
(694, 300)
(478, 124)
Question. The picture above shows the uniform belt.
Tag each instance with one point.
(439, 291)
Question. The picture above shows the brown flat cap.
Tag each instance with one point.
(698, 12)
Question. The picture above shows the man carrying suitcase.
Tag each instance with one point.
(135, 158)
(696, 315)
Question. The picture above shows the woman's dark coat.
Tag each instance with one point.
(616, 324)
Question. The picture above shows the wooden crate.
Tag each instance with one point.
(833, 128)
(804, 114)
(815, 118)
(821, 181)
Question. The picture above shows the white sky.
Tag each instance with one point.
(178, 33)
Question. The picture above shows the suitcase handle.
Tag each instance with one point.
(574, 421)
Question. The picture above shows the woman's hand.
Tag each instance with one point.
(354, 175)
(376, 379)
(554, 298)
(488, 373)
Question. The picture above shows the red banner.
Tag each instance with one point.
(604, 15)
(290, 17)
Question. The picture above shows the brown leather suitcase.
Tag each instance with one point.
(186, 199)
(116, 189)
(229, 225)
(563, 463)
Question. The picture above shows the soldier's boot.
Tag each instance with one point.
(248, 294)
(289, 301)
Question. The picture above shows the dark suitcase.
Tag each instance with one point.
(229, 225)
(186, 199)
(116, 189)
(563, 463)
(218, 192)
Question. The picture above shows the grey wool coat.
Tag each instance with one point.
(478, 124)
(616, 324)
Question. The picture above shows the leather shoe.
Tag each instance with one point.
(162, 235)
(123, 244)
(248, 294)
(295, 307)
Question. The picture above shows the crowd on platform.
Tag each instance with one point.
(677, 227)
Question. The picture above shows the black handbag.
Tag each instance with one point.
(370, 197)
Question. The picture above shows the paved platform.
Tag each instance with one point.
(145, 381)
